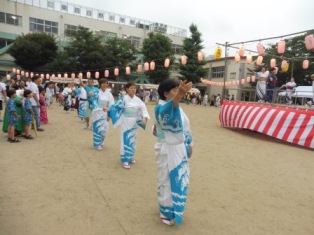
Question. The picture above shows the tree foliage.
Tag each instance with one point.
(157, 47)
(194, 69)
(33, 50)
(295, 53)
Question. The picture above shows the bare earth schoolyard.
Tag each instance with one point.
(241, 182)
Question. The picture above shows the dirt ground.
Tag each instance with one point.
(241, 182)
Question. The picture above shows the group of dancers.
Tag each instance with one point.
(172, 129)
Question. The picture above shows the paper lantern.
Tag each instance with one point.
(106, 73)
(281, 47)
(13, 70)
(167, 62)
(116, 72)
(47, 76)
(309, 42)
(283, 64)
(233, 83)
(217, 53)
(249, 59)
(18, 71)
(200, 56)
(127, 70)
(72, 76)
(22, 73)
(260, 49)
(152, 65)
(305, 64)
(53, 76)
(8, 77)
(184, 59)
(27, 74)
(238, 82)
(42, 76)
(241, 51)
(80, 75)
(97, 75)
(146, 66)
(248, 79)
(112, 85)
(272, 63)
(253, 78)
(65, 76)
(237, 57)
(88, 74)
(285, 69)
(139, 68)
(242, 81)
(32, 74)
(59, 76)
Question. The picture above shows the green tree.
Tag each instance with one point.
(157, 47)
(295, 53)
(33, 50)
(194, 69)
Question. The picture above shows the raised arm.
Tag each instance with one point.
(184, 88)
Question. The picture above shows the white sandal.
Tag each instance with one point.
(167, 221)
(99, 148)
(126, 165)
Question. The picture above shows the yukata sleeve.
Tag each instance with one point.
(169, 118)
(188, 140)
(11, 107)
(116, 111)
(94, 99)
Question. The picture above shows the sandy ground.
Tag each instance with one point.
(241, 182)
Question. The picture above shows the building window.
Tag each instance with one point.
(132, 22)
(64, 7)
(10, 19)
(39, 25)
(122, 20)
(111, 17)
(233, 75)
(88, 12)
(177, 48)
(218, 72)
(135, 41)
(51, 4)
(100, 15)
(5, 42)
(77, 10)
(105, 36)
(69, 30)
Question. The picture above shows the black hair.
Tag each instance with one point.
(16, 86)
(11, 92)
(166, 86)
(35, 78)
(103, 81)
(40, 89)
(272, 69)
(129, 84)
(27, 92)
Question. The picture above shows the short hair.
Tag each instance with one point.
(40, 89)
(35, 78)
(272, 69)
(27, 92)
(166, 86)
(103, 81)
(129, 84)
(11, 92)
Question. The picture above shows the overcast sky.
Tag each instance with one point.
(222, 20)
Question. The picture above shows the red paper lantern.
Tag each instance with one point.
(241, 51)
(281, 47)
(139, 68)
(96, 75)
(260, 49)
(146, 66)
(167, 62)
(305, 64)
(184, 59)
(272, 63)
(200, 56)
(116, 71)
(152, 65)
(106, 73)
(309, 42)
(88, 74)
(259, 60)
(237, 57)
(127, 70)
(249, 59)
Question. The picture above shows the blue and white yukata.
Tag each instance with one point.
(172, 151)
(261, 86)
(27, 114)
(129, 113)
(102, 99)
(83, 103)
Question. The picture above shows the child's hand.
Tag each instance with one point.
(184, 87)
(144, 121)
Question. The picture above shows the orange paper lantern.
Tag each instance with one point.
(272, 63)
(249, 59)
(259, 60)
(260, 49)
(241, 51)
(237, 57)
(184, 59)
(281, 47)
